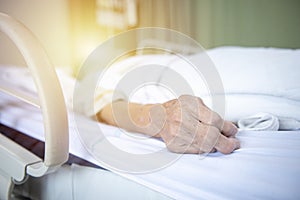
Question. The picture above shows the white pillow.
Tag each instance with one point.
(259, 80)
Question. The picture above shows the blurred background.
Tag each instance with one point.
(70, 29)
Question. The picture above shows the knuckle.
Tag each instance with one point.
(229, 147)
(190, 97)
(200, 101)
(207, 138)
(204, 130)
(216, 119)
(184, 96)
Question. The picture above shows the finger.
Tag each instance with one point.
(213, 150)
(227, 145)
(229, 129)
(207, 137)
(207, 116)
(193, 149)
(191, 137)
(202, 134)
(182, 145)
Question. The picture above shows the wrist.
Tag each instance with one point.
(141, 118)
(130, 116)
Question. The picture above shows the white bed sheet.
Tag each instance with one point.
(266, 167)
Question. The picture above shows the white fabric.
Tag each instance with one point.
(109, 79)
(259, 122)
(260, 80)
(259, 71)
(254, 71)
(266, 166)
(267, 122)
(255, 80)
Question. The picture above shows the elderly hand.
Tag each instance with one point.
(189, 126)
(185, 124)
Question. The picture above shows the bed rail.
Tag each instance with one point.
(16, 162)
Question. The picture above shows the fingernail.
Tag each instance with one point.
(234, 130)
(237, 144)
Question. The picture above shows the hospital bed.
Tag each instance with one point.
(17, 163)
(265, 167)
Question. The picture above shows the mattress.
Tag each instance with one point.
(267, 166)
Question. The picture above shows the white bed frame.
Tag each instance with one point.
(17, 162)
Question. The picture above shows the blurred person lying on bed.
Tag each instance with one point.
(186, 124)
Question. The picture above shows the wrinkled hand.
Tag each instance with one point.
(187, 125)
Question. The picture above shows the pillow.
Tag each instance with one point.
(259, 80)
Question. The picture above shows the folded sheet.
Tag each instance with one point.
(267, 122)
(259, 122)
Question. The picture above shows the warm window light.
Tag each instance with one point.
(86, 48)
(92, 23)
(83, 48)
(116, 14)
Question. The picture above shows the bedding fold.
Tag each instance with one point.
(267, 122)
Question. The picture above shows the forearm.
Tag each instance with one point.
(129, 116)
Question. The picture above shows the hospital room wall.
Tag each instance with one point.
(49, 22)
(264, 23)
